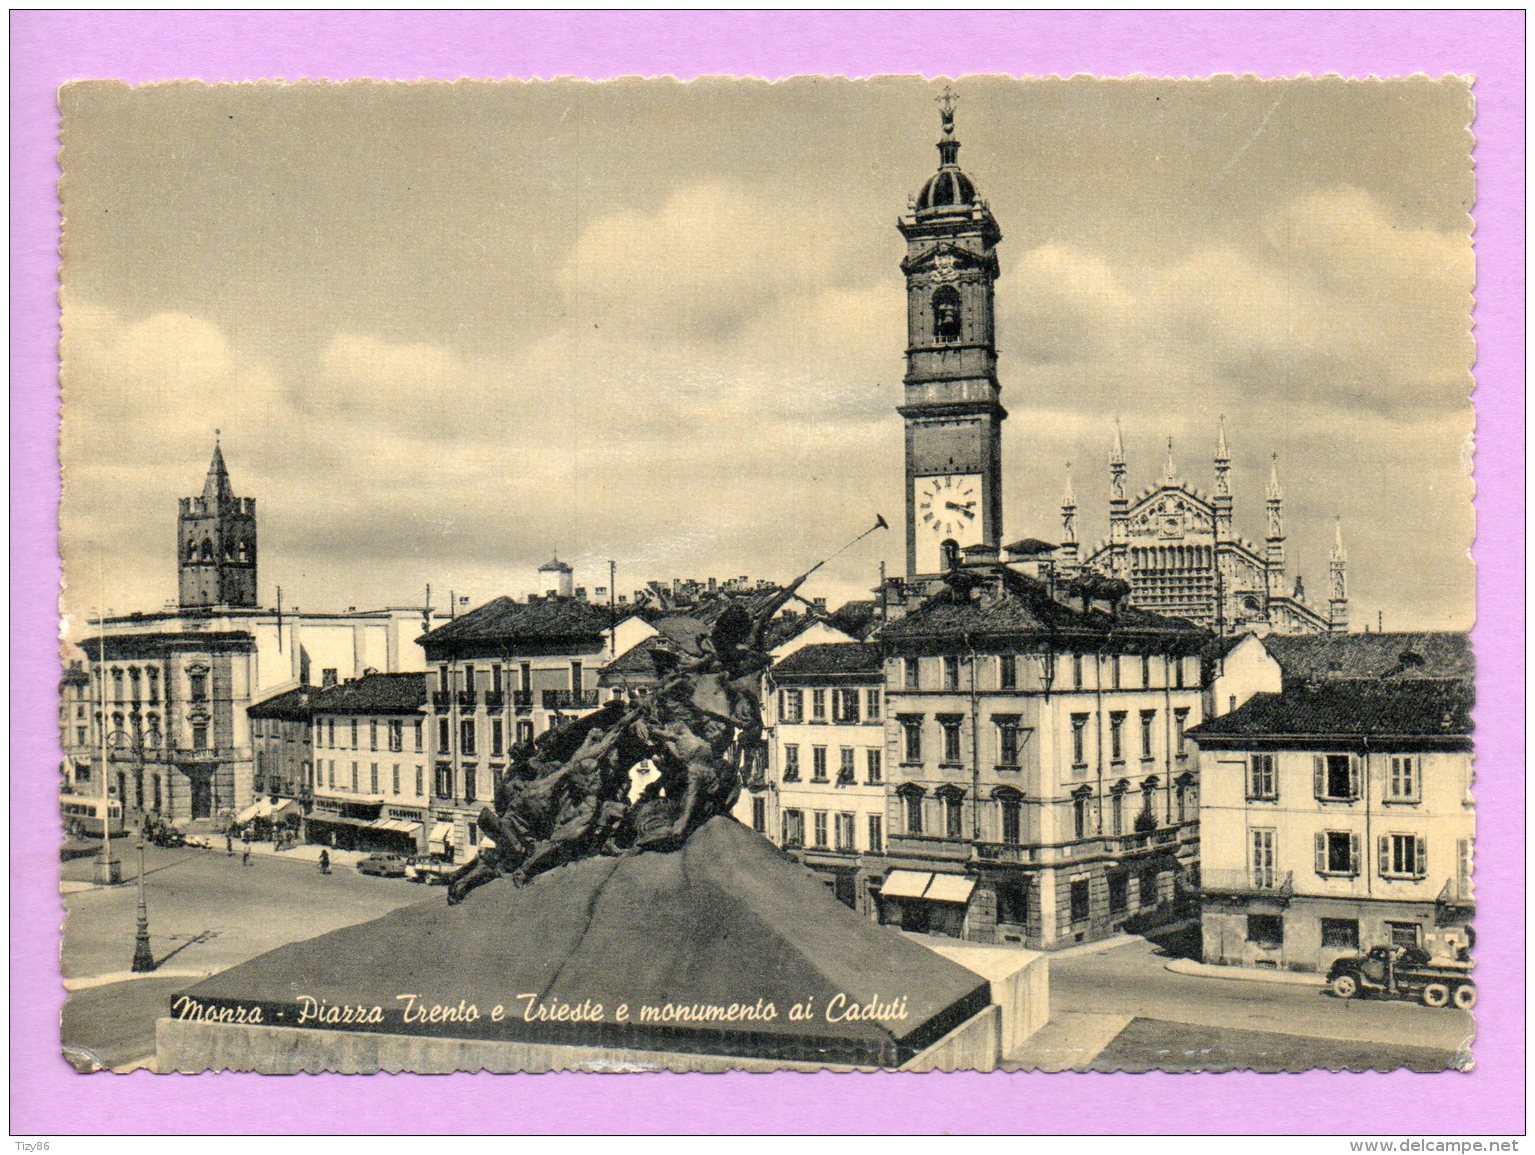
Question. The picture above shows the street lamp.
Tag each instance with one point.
(135, 744)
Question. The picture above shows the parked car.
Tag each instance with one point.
(1400, 972)
(383, 865)
(429, 871)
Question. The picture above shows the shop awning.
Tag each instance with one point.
(442, 835)
(341, 820)
(255, 810)
(905, 884)
(285, 808)
(397, 826)
(950, 888)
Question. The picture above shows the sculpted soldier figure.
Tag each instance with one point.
(567, 796)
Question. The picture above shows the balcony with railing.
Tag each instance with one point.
(522, 699)
(1277, 884)
(467, 699)
(570, 699)
(495, 700)
(1011, 853)
(441, 700)
(929, 846)
(1456, 895)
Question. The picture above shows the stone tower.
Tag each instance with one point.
(217, 543)
(951, 407)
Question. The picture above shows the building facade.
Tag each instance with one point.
(370, 755)
(822, 796)
(281, 747)
(1040, 786)
(1179, 550)
(498, 677)
(1337, 811)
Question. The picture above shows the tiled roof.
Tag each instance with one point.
(1442, 654)
(1349, 708)
(856, 618)
(538, 619)
(126, 647)
(1022, 605)
(374, 694)
(831, 658)
(296, 705)
(637, 658)
(1030, 547)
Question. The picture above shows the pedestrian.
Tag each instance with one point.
(229, 844)
(324, 861)
(245, 859)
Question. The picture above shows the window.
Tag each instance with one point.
(442, 679)
(1403, 785)
(947, 325)
(818, 763)
(1007, 672)
(1183, 794)
(373, 778)
(1336, 777)
(913, 801)
(1079, 741)
(1119, 893)
(1340, 933)
(1262, 859)
(1117, 812)
(1145, 671)
(372, 733)
(1180, 724)
(469, 679)
(950, 739)
(791, 705)
(871, 705)
(197, 686)
(1076, 671)
(80, 738)
(495, 679)
(330, 774)
(525, 676)
(1007, 742)
(845, 705)
(444, 735)
(873, 759)
(759, 814)
(1011, 809)
(330, 733)
(844, 832)
(1266, 930)
(396, 735)
(1079, 816)
(418, 781)
(794, 828)
(951, 673)
(913, 674)
(1403, 856)
(911, 731)
(791, 763)
(1262, 778)
(354, 778)
(199, 735)
(818, 705)
(1114, 672)
(1117, 737)
(876, 834)
(953, 814)
(1148, 729)
(442, 785)
(471, 780)
(466, 737)
(846, 768)
(576, 676)
(394, 779)
(1177, 672)
(1081, 899)
(524, 731)
(1337, 853)
(497, 737)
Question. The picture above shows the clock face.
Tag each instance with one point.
(945, 508)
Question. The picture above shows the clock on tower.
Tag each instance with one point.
(951, 407)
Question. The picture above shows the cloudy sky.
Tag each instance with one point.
(448, 330)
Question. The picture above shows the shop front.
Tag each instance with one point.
(926, 902)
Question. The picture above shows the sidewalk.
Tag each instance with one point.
(1184, 966)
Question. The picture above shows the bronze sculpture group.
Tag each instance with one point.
(567, 795)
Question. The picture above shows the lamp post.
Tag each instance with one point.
(135, 744)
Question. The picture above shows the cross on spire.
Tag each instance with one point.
(947, 99)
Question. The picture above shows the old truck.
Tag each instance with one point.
(1402, 972)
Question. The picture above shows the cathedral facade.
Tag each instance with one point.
(1178, 549)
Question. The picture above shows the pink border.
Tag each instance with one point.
(49, 48)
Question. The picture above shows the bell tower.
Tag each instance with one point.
(951, 406)
(216, 539)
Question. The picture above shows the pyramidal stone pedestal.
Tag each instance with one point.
(722, 954)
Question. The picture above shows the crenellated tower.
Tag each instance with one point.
(216, 541)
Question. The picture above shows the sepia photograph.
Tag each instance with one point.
(895, 574)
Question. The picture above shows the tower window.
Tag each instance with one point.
(946, 314)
